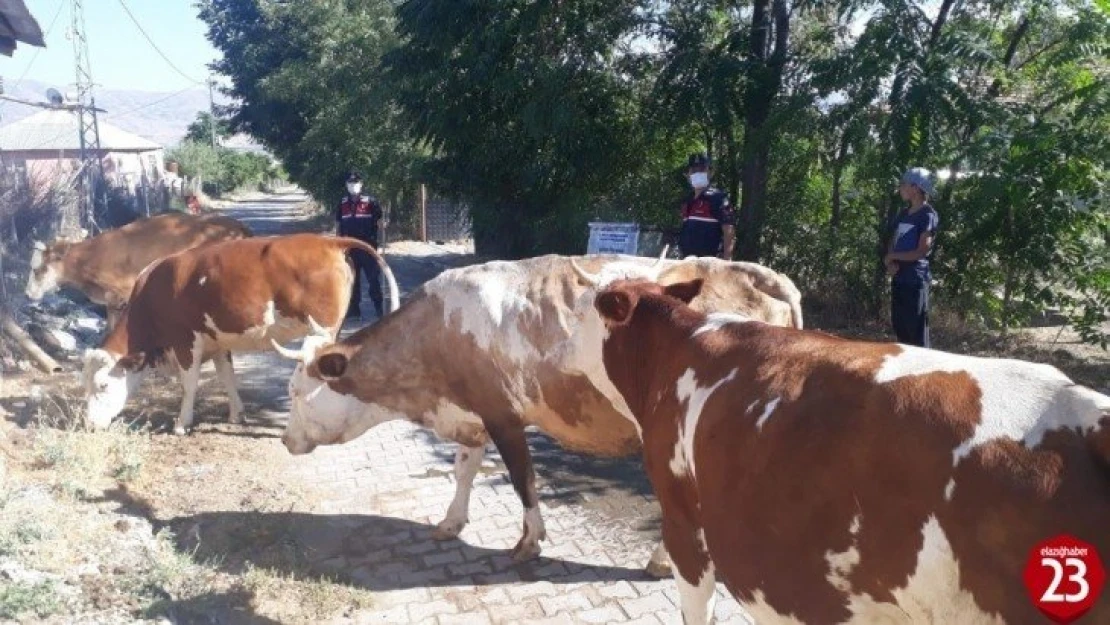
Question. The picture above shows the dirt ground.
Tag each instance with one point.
(226, 541)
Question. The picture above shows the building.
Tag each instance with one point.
(46, 147)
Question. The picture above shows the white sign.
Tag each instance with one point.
(613, 238)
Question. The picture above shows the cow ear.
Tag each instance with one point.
(685, 291)
(332, 366)
(616, 305)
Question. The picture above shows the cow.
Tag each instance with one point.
(106, 266)
(828, 480)
(480, 352)
(204, 303)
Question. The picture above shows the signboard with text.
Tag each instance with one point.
(613, 238)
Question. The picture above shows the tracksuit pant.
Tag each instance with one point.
(909, 312)
(363, 263)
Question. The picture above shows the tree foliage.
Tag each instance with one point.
(205, 126)
(545, 115)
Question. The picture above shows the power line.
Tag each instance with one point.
(148, 104)
(153, 45)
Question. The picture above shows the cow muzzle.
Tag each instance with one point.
(297, 445)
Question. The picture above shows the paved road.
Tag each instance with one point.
(381, 494)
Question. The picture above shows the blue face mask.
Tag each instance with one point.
(699, 180)
(354, 188)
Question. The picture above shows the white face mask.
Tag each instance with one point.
(354, 188)
(699, 180)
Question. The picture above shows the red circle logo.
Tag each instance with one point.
(1064, 577)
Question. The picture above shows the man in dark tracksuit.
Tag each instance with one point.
(707, 220)
(913, 231)
(357, 217)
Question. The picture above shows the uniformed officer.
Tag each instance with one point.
(708, 224)
(357, 217)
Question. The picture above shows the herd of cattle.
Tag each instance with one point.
(819, 479)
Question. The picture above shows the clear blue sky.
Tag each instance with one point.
(119, 55)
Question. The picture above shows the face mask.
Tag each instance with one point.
(354, 188)
(699, 180)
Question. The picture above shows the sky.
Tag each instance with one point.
(119, 56)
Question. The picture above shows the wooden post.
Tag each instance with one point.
(29, 347)
(423, 214)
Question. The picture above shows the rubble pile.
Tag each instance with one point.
(62, 327)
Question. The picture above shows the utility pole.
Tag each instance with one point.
(91, 174)
(211, 112)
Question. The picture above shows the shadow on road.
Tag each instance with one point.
(374, 552)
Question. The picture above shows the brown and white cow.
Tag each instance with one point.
(106, 266)
(825, 480)
(207, 302)
(481, 352)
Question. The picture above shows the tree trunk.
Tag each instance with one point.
(765, 80)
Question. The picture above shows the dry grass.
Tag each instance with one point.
(108, 560)
(307, 600)
(113, 559)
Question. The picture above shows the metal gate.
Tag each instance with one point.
(444, 220)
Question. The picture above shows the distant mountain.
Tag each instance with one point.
(159, 116)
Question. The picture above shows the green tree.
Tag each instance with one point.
(202, 128)
(309, 87)
(527, 107)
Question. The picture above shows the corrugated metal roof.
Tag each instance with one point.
(17, 24)
(57, 130)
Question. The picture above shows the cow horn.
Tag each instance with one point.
(662, 255)
(587, 277)
(288, 353)
(318, 329)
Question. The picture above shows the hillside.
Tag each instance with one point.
(158, 116)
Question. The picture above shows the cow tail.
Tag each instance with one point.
(394, 291)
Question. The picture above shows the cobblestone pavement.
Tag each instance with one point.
(381, 494)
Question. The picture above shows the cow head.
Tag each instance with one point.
(319, 415)
(108, 380)
(617, 303)
(46, 268)
(624, 345)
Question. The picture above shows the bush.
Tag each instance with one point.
(222, 170)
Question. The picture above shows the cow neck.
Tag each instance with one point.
(389, 365)
(117, 339)
(657, 351)
(77, 264)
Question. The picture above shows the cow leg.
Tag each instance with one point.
(190, 378)
(467, 461)
(510, 442)
(697, 599)
(659, 565)
(225, 370)
(694, 573)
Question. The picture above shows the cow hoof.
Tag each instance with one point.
(525, 551)
(659, 570)
(448, 530)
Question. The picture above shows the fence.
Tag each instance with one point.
(442, 219)
(52, 205)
